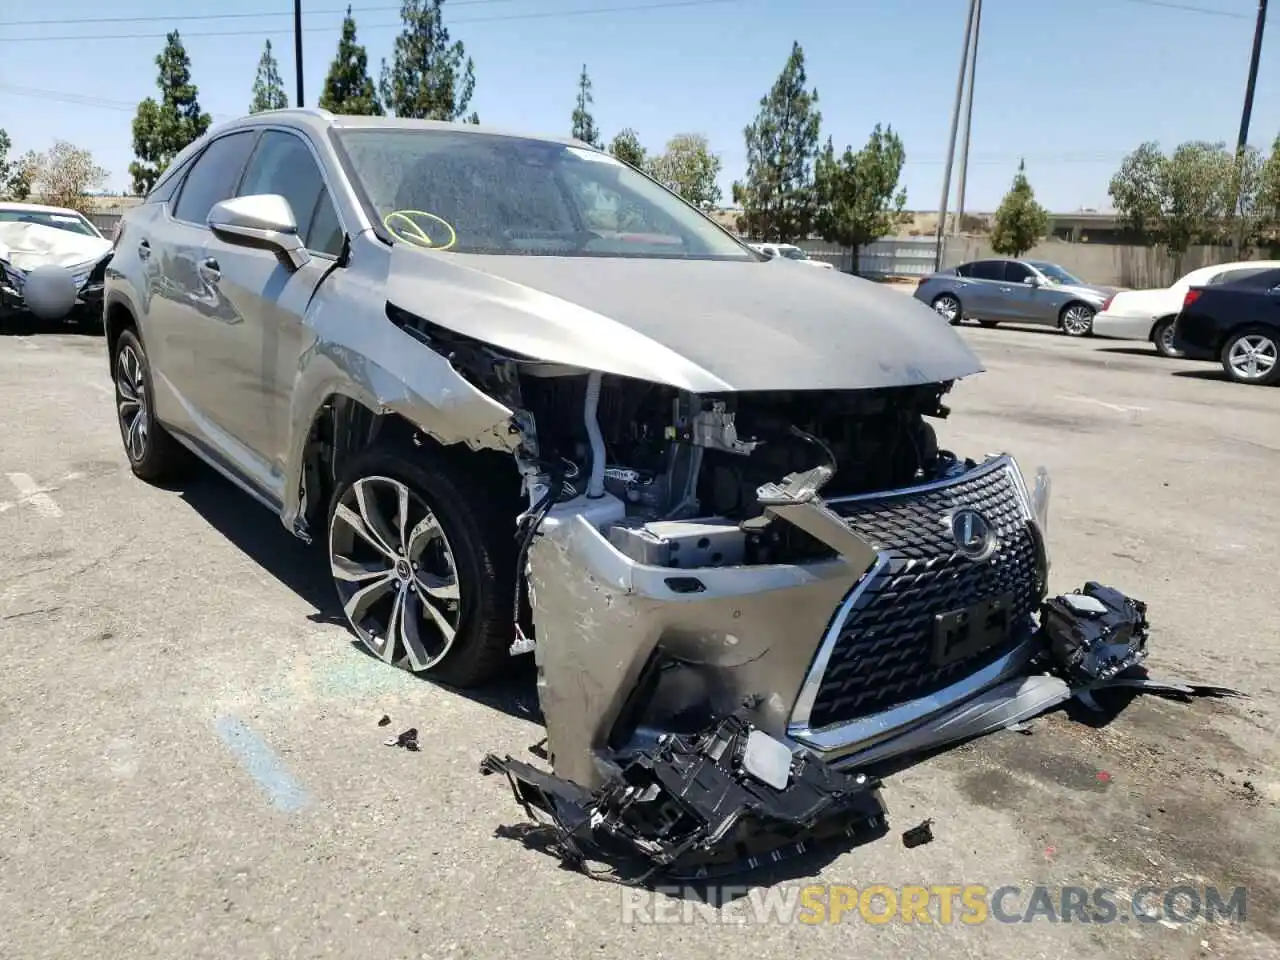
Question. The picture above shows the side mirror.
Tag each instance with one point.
(264, 221)
(1032, 281)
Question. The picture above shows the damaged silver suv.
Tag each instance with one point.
(529, 400)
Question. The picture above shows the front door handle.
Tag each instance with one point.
(1006, 289)
(144, 250)
(210, 270)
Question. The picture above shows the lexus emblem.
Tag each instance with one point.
(973, 534)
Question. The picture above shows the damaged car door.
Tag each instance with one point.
(263, 296)
(186, 315)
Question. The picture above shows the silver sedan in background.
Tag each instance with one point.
(1018, 291)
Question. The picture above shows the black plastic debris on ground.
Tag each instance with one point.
(918, 836)
(692, 809)
(408, 740)
(385, 721)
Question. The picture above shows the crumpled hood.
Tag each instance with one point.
(28, 245)
(704, 326)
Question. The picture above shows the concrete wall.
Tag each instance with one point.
(1106, 264)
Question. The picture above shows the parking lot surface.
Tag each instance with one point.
(192, 764)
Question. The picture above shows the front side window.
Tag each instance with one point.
(1016, 272)
(283, 164)
(1055, 274)
(213, 178)
(489, 194)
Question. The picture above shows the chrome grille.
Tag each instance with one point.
(882, 653)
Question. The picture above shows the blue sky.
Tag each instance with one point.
(1072, 85)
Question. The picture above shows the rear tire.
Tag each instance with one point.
(423, 562)
(1162, 337)
(947, 306)
(1252, 356)
(154, 456)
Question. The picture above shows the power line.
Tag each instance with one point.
(1190, 8)
(453, 4)
(255, 15)
(544, 14)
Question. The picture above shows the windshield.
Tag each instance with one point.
(793, 253)
(72, 222)
(1056, 273)
(483, 193)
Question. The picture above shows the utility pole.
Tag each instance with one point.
(951, 138)
(957, 224)
(1245, 116)
(297, 45)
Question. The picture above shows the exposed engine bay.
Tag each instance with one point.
(740, 603)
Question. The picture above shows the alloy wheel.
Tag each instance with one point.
(1168, 344)
(395, 573)
(131, 402)
(947, 307)
(1253, 356)
(1077, 320)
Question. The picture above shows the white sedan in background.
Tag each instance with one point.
(791, 252)
(1149, 314)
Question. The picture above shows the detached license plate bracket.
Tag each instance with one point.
(959, 634)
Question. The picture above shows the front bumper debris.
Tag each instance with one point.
(728, 799)
(732, 798)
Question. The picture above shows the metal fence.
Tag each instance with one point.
(906, 257)
(106, 222)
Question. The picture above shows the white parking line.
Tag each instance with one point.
(1117, 407)
(38, 497)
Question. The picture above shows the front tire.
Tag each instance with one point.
(1076, 320)
(947, 306)
(422, 569)
(1252, 356)
(153, 454)
(1162, 337)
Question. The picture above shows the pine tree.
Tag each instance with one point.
(626, 147)
(782, 143)
(1019, 221)
(161, 130)
(268, 88)
(429, 78)
(584, 125)
(348, 88)
(857, 193)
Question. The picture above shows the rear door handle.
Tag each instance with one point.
(144, 250)
(210, 270)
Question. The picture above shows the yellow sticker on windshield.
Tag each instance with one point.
(403, 225)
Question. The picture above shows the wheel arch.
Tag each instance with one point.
(1074, 302)
(119, 316)
(1155, 325)
(344, 425)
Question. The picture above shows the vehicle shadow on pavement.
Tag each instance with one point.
(1214, 373)
(302, 569)
(1132, 351)
(26, 327)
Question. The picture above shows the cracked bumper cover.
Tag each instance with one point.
(895, 645)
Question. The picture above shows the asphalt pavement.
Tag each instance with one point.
(192, 765)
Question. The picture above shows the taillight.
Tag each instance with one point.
(1106, 303)
(1191, 297)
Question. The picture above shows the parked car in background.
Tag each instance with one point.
(53, 263)
(1237, 323)
(60, 218)
(1017, 291)
(1149, 314)
(790, 252)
